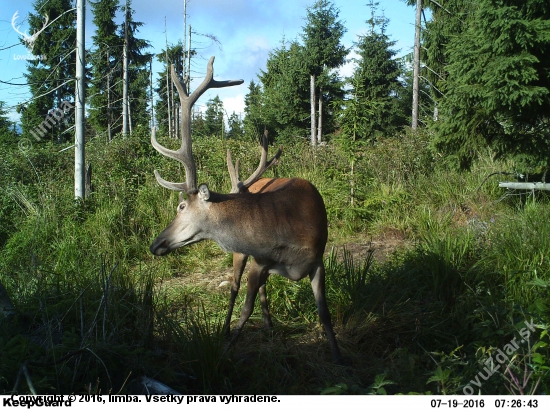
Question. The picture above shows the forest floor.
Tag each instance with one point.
(216, 277)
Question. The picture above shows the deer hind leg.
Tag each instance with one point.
(239, 263)
(317, 277)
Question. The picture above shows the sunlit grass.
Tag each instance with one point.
(424, 317)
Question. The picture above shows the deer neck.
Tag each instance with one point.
(229, 224)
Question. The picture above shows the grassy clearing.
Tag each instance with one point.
(96, 310)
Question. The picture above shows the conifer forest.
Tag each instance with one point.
(430, 164)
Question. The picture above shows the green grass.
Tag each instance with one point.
(96, 310)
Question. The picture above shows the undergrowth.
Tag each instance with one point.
(95, 310)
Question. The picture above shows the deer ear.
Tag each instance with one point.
(204, 192)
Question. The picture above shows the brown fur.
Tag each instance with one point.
(281, 223)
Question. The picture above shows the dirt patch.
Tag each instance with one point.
(383, 246)
(211, 280)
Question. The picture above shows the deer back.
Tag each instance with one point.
(286, 216)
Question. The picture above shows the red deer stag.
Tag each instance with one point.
(284, 228)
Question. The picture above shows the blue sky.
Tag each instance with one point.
(246, 29)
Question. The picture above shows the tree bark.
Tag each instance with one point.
(188, 78)
(351, 184)
(109, 136)
(416, 65)
(312, 102)
(320, 126)
(151, 93)
(80, 103)
(170, 134)
(125, 75)
(129, 116)
(174, 126)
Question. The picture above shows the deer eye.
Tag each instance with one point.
(181, 207)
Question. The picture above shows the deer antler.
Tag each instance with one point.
(184, 154)
(13, 19)
(238, 185)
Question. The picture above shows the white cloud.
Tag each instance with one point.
(347, 69)
(256, 50)
(234, 104)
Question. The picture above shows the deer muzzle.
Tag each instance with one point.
(160, 247)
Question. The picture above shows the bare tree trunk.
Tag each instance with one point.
(125, 76)
(184, 44)
(109, 97)
(168, 83)
(129, 115)
(176, 120)
(320, 126)
(352, 177)
(151, 92)
(59, 126)
(416, 64)
(351, 184)
(312, 102)
(80, 103)
(174, 126)
(189, 64)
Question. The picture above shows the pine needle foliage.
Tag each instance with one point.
(498, 86)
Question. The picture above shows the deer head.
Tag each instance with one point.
(191, 222)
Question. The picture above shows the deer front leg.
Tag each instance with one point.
(265, 307)
(239, 263)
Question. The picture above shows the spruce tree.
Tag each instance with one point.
(214, 121)
(447, 22)
(175, 56)
(235, 127)
(285, 92)
(106, 69)
(254, 122)
(51, 76)
(198, 125)
(323, 51)
(138, 70)
(497, 92)
(7, 130)
(375, 82)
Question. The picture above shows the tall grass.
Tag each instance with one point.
(96, 309)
